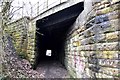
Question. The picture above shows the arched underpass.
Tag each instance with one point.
(51, 34)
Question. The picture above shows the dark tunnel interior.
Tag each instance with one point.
(51, 33)
(53, 39)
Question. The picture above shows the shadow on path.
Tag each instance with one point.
(52, 69)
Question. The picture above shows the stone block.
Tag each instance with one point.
(32, 56)
(87, 33)
(101, 18)
(92, 30)
(108, 54)
(108, 46)
(87, 47)
(99, 46)
(110, 71)
(85, 41)
(103, 26)
(81, 47)
(81, 36)
(82, 53)
(93, 47)
(102, 75)
(85, 53)
(113, 36)
(98, 29)
(91, 40)
(92, 59)
(81, 29)
(108, 9)
(99, 38)
(110, 26)
(114, 15)
(94, 68)
(115, 24)
(109, 63)
(111, 46)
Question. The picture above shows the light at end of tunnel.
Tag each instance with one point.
(48, 53)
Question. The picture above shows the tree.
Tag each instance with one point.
(6, 15)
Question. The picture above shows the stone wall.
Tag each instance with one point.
(92, 48)
(22, 32)
(18, 32)
(31, 42)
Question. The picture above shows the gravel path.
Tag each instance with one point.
(52, 69)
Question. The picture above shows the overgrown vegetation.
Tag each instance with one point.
(12, 65)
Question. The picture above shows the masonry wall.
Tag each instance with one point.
(22, 32)
(31, 50)
(18, 32)
(92, 48)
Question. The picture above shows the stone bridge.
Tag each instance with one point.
(83, 36)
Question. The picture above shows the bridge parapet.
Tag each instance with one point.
(52, 8)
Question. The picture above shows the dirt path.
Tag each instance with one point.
(52, 69)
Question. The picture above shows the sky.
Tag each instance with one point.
(26, 5)
(26, 10)
(16, 2)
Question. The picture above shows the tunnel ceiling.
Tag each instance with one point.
(59, 20)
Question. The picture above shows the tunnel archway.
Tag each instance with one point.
(51, 33)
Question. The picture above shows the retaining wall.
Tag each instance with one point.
(18, 32)
(92, 48)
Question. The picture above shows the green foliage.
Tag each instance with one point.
(22, 55)
(4, 78)
(117, 75)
